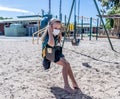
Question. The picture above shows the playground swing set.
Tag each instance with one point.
(91, 30)
(85, 28)
(75, 41)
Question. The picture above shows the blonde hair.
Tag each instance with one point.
(51, 22)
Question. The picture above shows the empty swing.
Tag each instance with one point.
(75, 41)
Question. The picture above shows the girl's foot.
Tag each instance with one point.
(69, 89)
(75, 86)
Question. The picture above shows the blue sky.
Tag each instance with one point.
(12, 8)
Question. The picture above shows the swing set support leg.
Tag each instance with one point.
(100, 19)
(68, 22)
(103, 25)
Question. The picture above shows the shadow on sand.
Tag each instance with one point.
(93, 57)
(62, 94)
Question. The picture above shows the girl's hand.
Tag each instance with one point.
(50, 30)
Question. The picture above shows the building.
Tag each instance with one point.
(23, 25)
(1, 28)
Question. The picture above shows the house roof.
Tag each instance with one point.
(22, 18)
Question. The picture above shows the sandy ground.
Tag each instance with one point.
(96, 68)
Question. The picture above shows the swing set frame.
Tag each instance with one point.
(70, 14)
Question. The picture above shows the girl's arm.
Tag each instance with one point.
(51, 38)
(60, 36)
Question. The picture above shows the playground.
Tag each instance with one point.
(95, 65)
(94, 57)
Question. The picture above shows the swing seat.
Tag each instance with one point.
(75, 42)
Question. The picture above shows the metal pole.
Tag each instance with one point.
(90, 35)
(60, 14)
(38, 22)
(75, 27)
(103, 24)
(97, 29)
(49, 7)
(75, 20)
(68, 21)
(78, 10)
(82, 28)
(65, 20)
(78, 16)
(56, 16)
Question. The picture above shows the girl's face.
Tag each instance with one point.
(56, 26)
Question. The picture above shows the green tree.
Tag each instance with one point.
(110, 3)
(2, 18)
(109, 23)
(112, 7)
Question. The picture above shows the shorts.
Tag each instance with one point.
(58, 54)
(47, 63)
(57, 57)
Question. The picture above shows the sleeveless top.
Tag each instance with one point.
(58, 55)
(45, 41)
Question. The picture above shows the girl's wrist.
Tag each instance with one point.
(50, 34)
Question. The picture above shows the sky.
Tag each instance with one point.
(13, 8)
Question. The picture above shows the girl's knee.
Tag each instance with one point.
(66, 65)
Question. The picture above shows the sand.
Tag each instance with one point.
(96, 68)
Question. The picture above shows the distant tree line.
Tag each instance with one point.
(2, 18)
(110, 7)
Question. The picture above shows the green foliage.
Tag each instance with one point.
(111, 23)
(112, 7)
(114, 11)
(2, 18)
(110, 3)
(108, 24)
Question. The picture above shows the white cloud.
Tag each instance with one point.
(14, 10)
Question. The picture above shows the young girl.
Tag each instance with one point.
(50, 37)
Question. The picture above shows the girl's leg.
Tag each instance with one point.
(70, 73)
(64, 72)
(65, 76)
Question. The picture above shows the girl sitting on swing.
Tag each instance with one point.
(50, 37)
